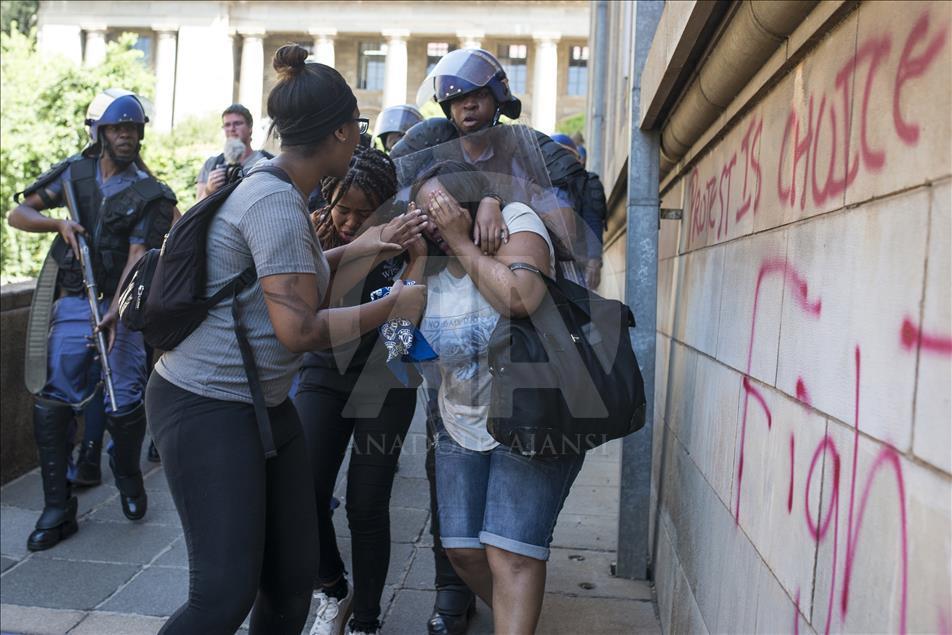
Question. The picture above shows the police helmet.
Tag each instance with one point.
(397, 119)
(463, 71)
(423, 145)
(114, 106)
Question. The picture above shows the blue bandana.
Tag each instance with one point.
(404, 342)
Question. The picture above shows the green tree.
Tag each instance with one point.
(43, 105)
(18, 14)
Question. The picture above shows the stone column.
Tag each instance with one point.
(251, 78)
(470, 39)
(164, 77)
(545, 81)
(95, 46)
(324, 45)
(61, 39)
(395, 84)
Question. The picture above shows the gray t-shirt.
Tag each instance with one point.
(264, 221)
(246, 165)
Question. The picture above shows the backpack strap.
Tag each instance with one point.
(233, 288)
(270, 169)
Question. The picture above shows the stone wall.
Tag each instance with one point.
(17, 449)
(802, 446)
(805, 348)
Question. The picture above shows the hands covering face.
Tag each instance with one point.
(452, 220)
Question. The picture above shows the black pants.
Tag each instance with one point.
(377, 442)
(249, 523)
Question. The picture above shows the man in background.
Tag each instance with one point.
(237, 122)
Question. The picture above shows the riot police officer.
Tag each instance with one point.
(123, 211)
(471, 87)
(393, 123)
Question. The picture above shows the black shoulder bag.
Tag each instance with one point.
(565, 379)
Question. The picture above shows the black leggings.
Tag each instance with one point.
(377, 442)
(249, 523)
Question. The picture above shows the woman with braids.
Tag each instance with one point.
(348, 392)
(249, 518)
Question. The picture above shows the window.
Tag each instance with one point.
(513, 60)
(434, 51)
(144, 43)
(372, 71)
(578, 71)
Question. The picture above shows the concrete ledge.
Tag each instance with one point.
(17, 450)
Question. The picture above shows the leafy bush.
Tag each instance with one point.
(43, 104)
(571, 125)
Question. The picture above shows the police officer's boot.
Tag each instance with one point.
(127, 432)
(58, 520)
(88, 470)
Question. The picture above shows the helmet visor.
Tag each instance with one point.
(472, 68)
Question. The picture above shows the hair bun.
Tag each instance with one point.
(289, 60)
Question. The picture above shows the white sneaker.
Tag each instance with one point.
(331, 615)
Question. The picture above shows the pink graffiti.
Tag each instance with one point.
(913, 337)
(803, 395)
(803, 132)
(887, 457)
(818, 529)
(790, 490)
(709, 199)
(911, 67)
(798, 285)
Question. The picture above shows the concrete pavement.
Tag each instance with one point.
(115, 576)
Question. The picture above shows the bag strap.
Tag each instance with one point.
(270, 169)
(526, 267)
(233, 288)
(251, 369)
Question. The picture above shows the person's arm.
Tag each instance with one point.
(416, 254)
(490, 231)
(350, 264)
(209, 179)
(293, 305)
(216, 179)
(512, 293)
(281, 242)
(27, 217)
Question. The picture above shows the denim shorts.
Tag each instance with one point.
(500, 497)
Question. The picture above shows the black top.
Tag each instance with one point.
(341, 366)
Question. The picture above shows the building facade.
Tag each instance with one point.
(801, 452)
(206, 55)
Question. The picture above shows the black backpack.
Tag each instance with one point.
(163, 297)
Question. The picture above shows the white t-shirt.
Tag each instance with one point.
(458, 323)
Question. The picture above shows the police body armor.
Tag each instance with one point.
(108, 223)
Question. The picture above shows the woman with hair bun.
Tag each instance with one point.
(249, 520)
